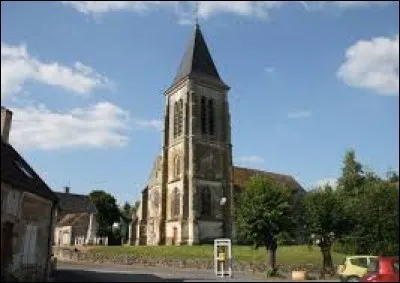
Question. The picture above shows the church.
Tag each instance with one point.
(189, 196)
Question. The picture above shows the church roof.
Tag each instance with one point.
(242, 175)
(197, 59)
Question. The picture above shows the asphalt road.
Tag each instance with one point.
(78, 272)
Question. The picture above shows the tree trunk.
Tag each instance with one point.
(272, 258)
(271, 261)
(327, 266)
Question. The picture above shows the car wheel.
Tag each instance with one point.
(353, 279)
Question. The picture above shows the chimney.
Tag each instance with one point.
(67, 190)
(6, 117)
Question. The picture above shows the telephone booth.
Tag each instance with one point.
(223, 257)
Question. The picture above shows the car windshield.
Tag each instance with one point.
(373, 266)
(396, 266)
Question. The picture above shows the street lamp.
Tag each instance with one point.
(115, 226)
(222, 203)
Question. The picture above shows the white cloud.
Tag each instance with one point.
(251, 159)
(100, 125)
(373, 64)
(185, 11)
(18, 67)
(101, 7)
(206, 9)
(242, 8)
(150, 124)
(299, 114)
(327, 181)
(320, 5)
(356, 4)
(269, 70)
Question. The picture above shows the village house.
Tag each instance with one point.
(28, 208)
(76, 220)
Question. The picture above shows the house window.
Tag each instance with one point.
(180, 119)
(211, 116)
(177, 166)
(175, 203)
(206, 202)
(203, 115)
(176, 119)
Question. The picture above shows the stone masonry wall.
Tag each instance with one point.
(72, 255)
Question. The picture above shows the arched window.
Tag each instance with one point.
(211, 117)
(177, 166)
(203, 115)
(180, 119)
(175, 203)
(176, 119)
(206, 202)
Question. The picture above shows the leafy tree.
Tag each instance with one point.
(378, 218)
(325, 220)
(369, 176)
(371, 208)
(264, 211)
(126, 210)
(135, 207)
(352, 174)
(392, 176)
(107, 211)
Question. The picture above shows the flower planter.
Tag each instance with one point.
(299, 275)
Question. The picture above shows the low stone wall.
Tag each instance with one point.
(77, 255)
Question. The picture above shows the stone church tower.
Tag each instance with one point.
(189, 198)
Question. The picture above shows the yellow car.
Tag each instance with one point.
(354, 267)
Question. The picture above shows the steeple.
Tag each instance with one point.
(197, 59)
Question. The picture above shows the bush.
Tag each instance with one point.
(271, 272)
(361, 245)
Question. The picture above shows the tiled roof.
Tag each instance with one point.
(74, 203)
(241, 176)
(17, 172)
(72, 218)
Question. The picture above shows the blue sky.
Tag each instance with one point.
(308, 80)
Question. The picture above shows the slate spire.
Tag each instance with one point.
(197, 59)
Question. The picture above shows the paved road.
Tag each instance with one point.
(68, 272)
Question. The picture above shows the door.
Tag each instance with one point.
(6, 243)
(174, 235)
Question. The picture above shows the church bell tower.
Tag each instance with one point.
(197, 197)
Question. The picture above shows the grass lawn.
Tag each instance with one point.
(285, 254)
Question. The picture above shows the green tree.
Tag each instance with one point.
(392, 176)
(352, 174)
(378, 218)
(135, 207)
(264, 211)
(107, 211)
(325, 219)
(126, 209)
